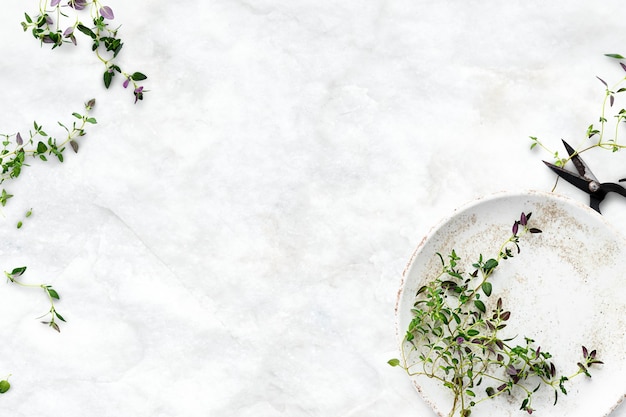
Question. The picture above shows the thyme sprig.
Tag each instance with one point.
(15, 150)
(596, 134)
(454, 339)
(49, 25)
(51, 293)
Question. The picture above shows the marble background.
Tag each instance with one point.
(233, 245)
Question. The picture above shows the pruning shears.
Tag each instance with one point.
(585, 180)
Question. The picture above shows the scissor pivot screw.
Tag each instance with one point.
(594, 186)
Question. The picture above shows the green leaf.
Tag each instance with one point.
(472, 332)
(480, 305)
(490, 264)
(91, 120)
(77, 115)
(456, 318)
(28, 19)
(487, 288)
(616, 56)
(108, 77)
(58, 316)
(4, 386)
(86, 31)
(393, 362)
(52, 293)
(41, 147)
(137, 76)
(18, 271)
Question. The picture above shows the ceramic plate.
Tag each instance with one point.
(566, 288)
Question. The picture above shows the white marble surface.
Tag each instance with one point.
(233, 245)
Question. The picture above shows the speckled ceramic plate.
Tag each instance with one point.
(567, 288)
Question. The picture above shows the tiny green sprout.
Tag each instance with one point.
(27, 215)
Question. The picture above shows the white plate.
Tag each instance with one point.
(567, 288)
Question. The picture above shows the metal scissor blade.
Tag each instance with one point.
(580, 165)
(574, 179)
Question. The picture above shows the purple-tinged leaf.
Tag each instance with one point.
(107, 13)
(78, 4)
(515, 228)
(68, 31)
(585, 352)
(603, 82)
(18, 139)
(534, 230)
(623, 66)
(54, 3)
(126, 82)
(611, 100)
(523, 219)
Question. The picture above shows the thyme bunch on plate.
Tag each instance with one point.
(56, 23)
(456, 340)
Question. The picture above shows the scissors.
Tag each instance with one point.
(585, 180)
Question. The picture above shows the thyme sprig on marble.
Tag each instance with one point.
(51, 293)
(53, 25)
(16, 149)
(596, 134)
(455, 339)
